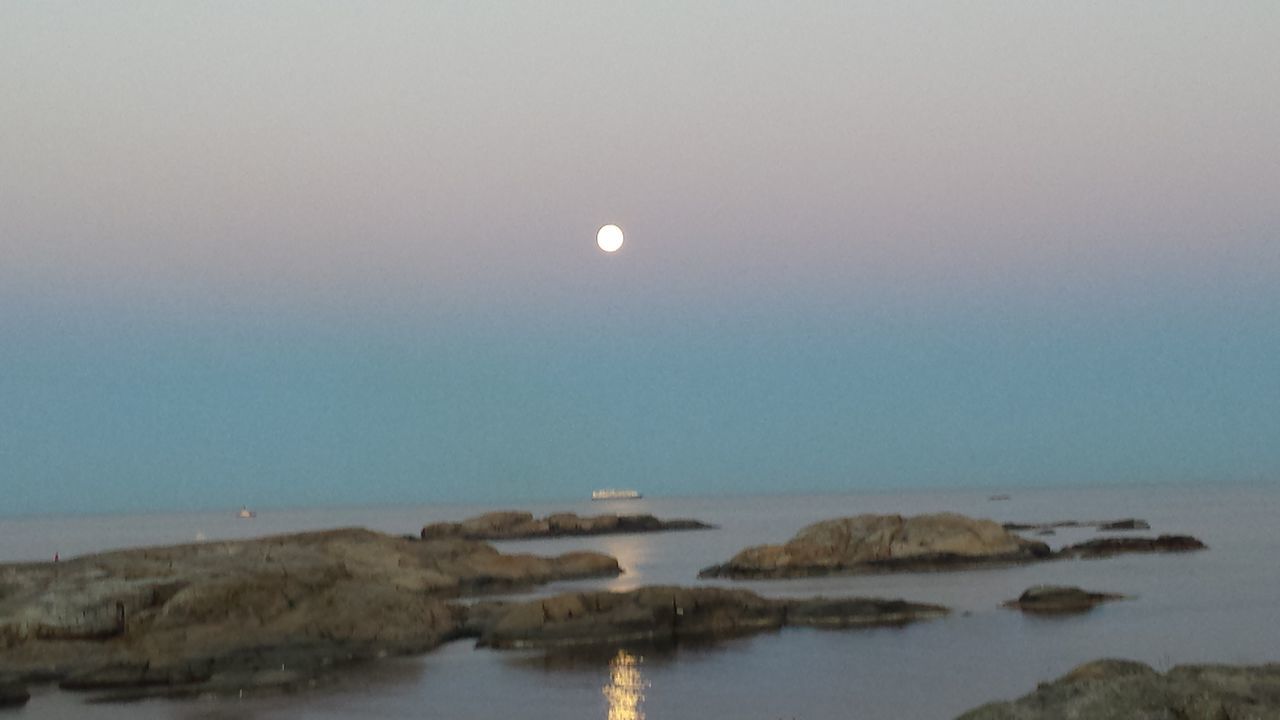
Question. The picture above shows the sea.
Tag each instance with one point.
(1219, 605)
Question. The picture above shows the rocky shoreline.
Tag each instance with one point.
(291, 611)
(272, 612)
(516, 525)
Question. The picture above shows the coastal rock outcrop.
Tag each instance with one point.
(666, 613)
(271, 611)
(1124, 690)
(1058, 599)
(514, 525)
(893, 543)
(883, 543)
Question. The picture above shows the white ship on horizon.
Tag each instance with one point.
(611, 494)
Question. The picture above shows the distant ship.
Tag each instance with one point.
(615, 495)
(246, 514)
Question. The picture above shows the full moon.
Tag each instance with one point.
(609, 238)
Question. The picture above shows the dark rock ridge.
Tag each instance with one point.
(1101, 525)
(225, 616)
(1106, 547)
(1124, 690)
(1057, 599)
(883, 543)
(664, 614)
(515, 525)
(892, 543)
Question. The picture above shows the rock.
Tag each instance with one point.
(883, 543)
(1106, 547)
(1126, 524)
(665, 614)
(892, 543)
(1123, 690)
(190, 619)
(1101, 525)
(13, 695)
(523, 526)
(1058, 599)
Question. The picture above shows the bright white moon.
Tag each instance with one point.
(609, 238)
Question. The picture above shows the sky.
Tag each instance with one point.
(319, 253)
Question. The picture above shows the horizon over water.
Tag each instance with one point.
(1212, 606)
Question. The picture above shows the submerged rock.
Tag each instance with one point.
(665, 613)
(883, 543)
(1058, 599)
(196, 618)
(1124, 690)
(513, 525)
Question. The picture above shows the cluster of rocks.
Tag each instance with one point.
(515, 525)
(1124, 690)
(276, 611)
(286, 611)
(942, 541)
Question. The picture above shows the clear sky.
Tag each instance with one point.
(297, 253)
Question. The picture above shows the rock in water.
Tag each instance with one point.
(1106, 547)
(1123, 690)
(513, 525)
(1058, 599)
(665, 614)
(882, 543)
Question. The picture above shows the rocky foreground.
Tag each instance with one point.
(275, 611)
(285, 612)
(1123, 690)
(515, 525)
(893, 543)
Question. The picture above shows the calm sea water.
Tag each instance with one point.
(1222, 605)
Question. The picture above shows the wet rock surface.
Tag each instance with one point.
(668, 613)
(263, 613)
(514, 525)
(1124, 690)
(1058, 599)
